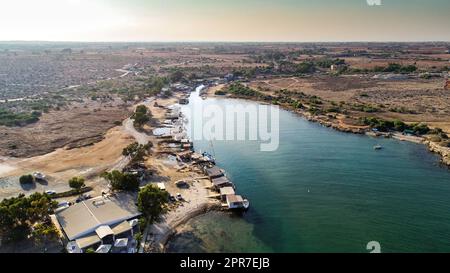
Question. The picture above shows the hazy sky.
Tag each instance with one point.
(224, 20)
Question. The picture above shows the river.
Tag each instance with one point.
(324, 191)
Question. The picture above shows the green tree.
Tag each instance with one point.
(44, 232)
(306, 68)
(130, 149)
(152, 202)
(140, 116)
(26, 179)
(399, 125)
(76, 183)
(122, 181)
(176, 76)
(136, 151)
(90, 250)
(19, 214)
(141, 109)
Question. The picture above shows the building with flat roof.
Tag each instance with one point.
(213, 172)
(235, 201)
(221, 182)
(98, 220)
(226, 191)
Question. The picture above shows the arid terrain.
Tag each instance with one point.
(57, 99)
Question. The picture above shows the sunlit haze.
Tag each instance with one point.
(200, 20)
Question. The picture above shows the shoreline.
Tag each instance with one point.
(196, 198)
(442, 152)
(172, 228)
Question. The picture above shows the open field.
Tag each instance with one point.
(78, 125)
(426, 98)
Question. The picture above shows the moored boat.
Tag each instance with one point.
(246, 204)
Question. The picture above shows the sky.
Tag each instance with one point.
(225, 20)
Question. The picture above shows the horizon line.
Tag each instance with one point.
(224, 41)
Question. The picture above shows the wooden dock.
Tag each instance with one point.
(214, 195)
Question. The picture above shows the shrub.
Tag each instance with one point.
(19, 214)
(26, 179)
(152, 202)
(122, 181)
(76, 183)
(239, 89)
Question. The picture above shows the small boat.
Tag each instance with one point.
(246, 204)
(209, 157)
(377, 147)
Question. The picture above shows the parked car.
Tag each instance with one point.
(179, 197)
(39, 176)
(50, 192)
(83, 197)
(64, 203)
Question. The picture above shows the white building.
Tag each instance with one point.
(99, 220)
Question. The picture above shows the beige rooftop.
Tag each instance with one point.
(234, 199)
(226, 191)
(85, 217)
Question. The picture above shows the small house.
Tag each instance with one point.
(213, 172)
(221, 182)
(235, 201)
(225, 191)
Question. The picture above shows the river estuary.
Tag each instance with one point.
(324, 191)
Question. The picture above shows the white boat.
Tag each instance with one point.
(377, 147)
(246, 204)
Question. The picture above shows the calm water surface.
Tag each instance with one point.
(325, 191)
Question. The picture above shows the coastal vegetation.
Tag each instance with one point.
(154, 84)
(26, 179)
(77, 183)
(140, 116)
(136, 151)
(238, 89)
(9, 118)
(72, 192)
(395, 68)
(152, 202)
(26, 217)
(121, 181)
(395, 125)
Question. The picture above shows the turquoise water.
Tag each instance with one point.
(326, 191)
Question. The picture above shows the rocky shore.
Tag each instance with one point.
(444, 152)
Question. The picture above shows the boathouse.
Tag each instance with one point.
(225, 191)
(235, 201)
(213, 172)
(221, 182)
